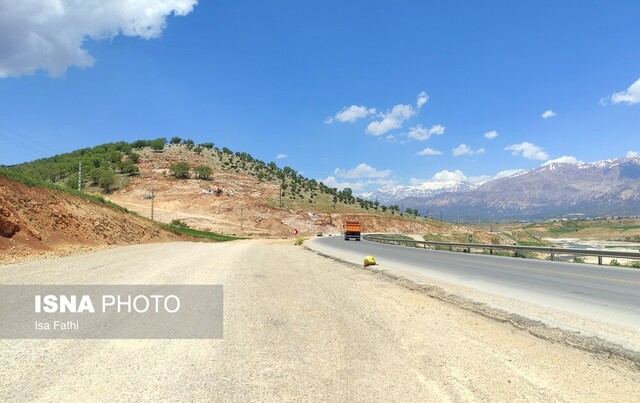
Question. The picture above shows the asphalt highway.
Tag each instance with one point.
(610, 294)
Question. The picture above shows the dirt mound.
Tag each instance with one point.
(37, 220)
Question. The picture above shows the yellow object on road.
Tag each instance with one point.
(369, 261)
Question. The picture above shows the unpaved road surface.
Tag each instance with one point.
(299, 327)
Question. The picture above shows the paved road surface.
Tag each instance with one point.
(301, 327)
(602, 293)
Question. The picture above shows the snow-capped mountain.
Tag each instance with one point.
(423, 190)
(610, 187)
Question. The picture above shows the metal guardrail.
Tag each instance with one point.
(517, 248)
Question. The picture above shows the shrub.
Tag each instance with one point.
(179, 223)
(578, 259)
(614, 262)
(299, 240)
(134, 157)
(189, 144)
(72, 181)
(203, 172)
(129, 168)
(207, 145)
(180, 170)
(140, 143)
(157, 144)
(636, 264)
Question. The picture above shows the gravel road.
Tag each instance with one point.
(299, 327)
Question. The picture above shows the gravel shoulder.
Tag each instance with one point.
(298, 326)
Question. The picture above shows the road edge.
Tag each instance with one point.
(535, 327)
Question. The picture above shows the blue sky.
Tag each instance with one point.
(351, 92)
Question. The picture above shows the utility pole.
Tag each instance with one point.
(80, 176)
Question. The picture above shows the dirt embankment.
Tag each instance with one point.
(35, 220)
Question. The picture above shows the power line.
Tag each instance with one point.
(27, 139)
(23, 142)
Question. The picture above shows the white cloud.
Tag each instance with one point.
(422, 99)
(281, 156)
(352, 113)
(528, 150)
(508, 172)
(548, 114)
(633, 154)
(332, 182)
(421, 133)
(417, 181)
(448, 176)
(50, 34)
(358, 185)
(389, 120)
(491, 135)
(362, 171)
(479, 180)
(391, 138)
(565, 159)
(429, 151)
(458, 175)
(392, 119)
(464, 149)
(630, 96)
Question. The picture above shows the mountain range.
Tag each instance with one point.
(603, 188)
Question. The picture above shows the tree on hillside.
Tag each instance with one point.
(129, 168)
(175, 140)
(134, 157)
(180, 170)
(72, 181)
(207, 145)
(203, 172)
(140, 143)
(94, 174)
(113, 156)
(157, 145)
(106, 179)
(188, 143)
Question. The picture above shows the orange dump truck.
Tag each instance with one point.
(352, 230)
